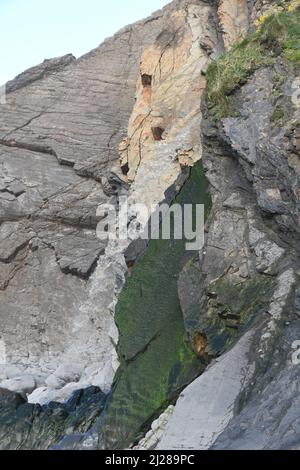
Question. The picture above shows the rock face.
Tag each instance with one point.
(248, 276)
(131, 118)
(37, 427)
(206, 407)
(59, 132)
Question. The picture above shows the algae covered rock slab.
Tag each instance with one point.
(157, 360)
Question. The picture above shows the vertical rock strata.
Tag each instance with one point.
(88, 316)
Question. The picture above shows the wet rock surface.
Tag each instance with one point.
(38, 427)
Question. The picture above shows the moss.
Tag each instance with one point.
(157, 360)
(278, 115)
(278, 34)
(293, 55)
(227, 310)
(277, 93)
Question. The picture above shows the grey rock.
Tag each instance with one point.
(48, 67)
(69, 372)
(255, 236)
(13, 238)
(11, 399)
(76, 252)
(297, 302)
(271, 420)
(234, 202)
(206, 406)
(60, 129)
(44, 425)
(253, 226)
(268, 254)
(22, 384)
(272, 205)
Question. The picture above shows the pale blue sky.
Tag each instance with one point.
(34, 30)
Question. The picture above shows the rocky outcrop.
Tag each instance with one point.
(234, 20)
(248, 276)
(37, 427)
(59, 132)
(133, 118)
(59, 155)
(48, 67)
(205, 407)
(165, 118)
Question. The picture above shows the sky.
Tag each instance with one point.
(34, 30)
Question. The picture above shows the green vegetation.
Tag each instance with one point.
(157, 360)
(234, 308)
(278, 116)
(225, 310)
(278, 34)
(277, 93)
(229, 71)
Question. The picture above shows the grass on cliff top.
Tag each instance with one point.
(279, 34)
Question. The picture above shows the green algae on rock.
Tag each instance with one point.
(157, 360)
(229, 310)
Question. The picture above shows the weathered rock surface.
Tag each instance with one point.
(126, 120)
(158, 427)
(48, 67)
(252, 239)
(36, 426)
(59, 132)
(206, 406)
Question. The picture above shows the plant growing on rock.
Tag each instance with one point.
(278, 34)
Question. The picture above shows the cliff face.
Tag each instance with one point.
(60, 131)
(141, 116)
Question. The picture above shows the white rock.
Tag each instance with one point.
(13, 371)
(40, 395)
(69, 372)
(65, 393)
(157, 430)
(54, 382)
(43, 395)
(22, 384)
(10, 371)
(2, 352)
(104, 377)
